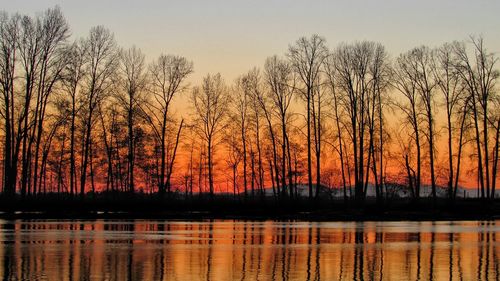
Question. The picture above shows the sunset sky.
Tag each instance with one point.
(232, 36)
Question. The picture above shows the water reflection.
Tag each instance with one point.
(240, 250)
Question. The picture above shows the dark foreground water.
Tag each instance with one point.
(248, 250)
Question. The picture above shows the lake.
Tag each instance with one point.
(248, 250)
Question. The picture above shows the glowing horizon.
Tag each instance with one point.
(232, 37)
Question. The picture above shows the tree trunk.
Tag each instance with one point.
(459, 156)
(72, 167)
(244, 144)
(450, 153)
(283, 156)
(210, 172)
(431, 154)
(131, 142)
(495, 161)
(174, 153)
(309, 163)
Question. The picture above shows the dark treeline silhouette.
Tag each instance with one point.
(86, 116)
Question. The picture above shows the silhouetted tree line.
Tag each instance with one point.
(86, 116)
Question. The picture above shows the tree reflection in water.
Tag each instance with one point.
(248, 250)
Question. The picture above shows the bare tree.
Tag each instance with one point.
(404, 80)
(281, 83)
(72, 77)
(108, 118)
(52, 61)
(495, 123)
(479, 75)
(264, 104)
(307, 57)
(102, 57)
(452, 88)
(241, 97)
(168, 79)
(9, 34)
(33, 52)
(464, 121)
(330, 71)
(319, 100)
(380, 72)
(132, 68)
(30, 35)
(251, 84)
(234, 154)
(421, 66)
(359, 82)
(210, 103)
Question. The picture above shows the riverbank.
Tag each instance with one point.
(222, 207)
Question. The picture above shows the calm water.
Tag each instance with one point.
(248, 250)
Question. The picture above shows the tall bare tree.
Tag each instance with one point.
(421, 67)
(241, 97)
(72, 77)
(168, 79)
(479, 75)
(251, 84)
(101, 56)
(9, 37)
(280, 80)
(404, 82)
(451, 86)
(307, 57)
(30, 35)
(359, 82)
(380, 71)
(210, 103)
(261, 98)
(53, 59)
(33, 52)
(330, 73)
(132, 68)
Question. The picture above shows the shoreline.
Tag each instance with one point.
(228, 209)
(212, 217)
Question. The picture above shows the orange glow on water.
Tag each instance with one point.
(228, 250)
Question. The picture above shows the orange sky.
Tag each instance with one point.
(231, 37)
